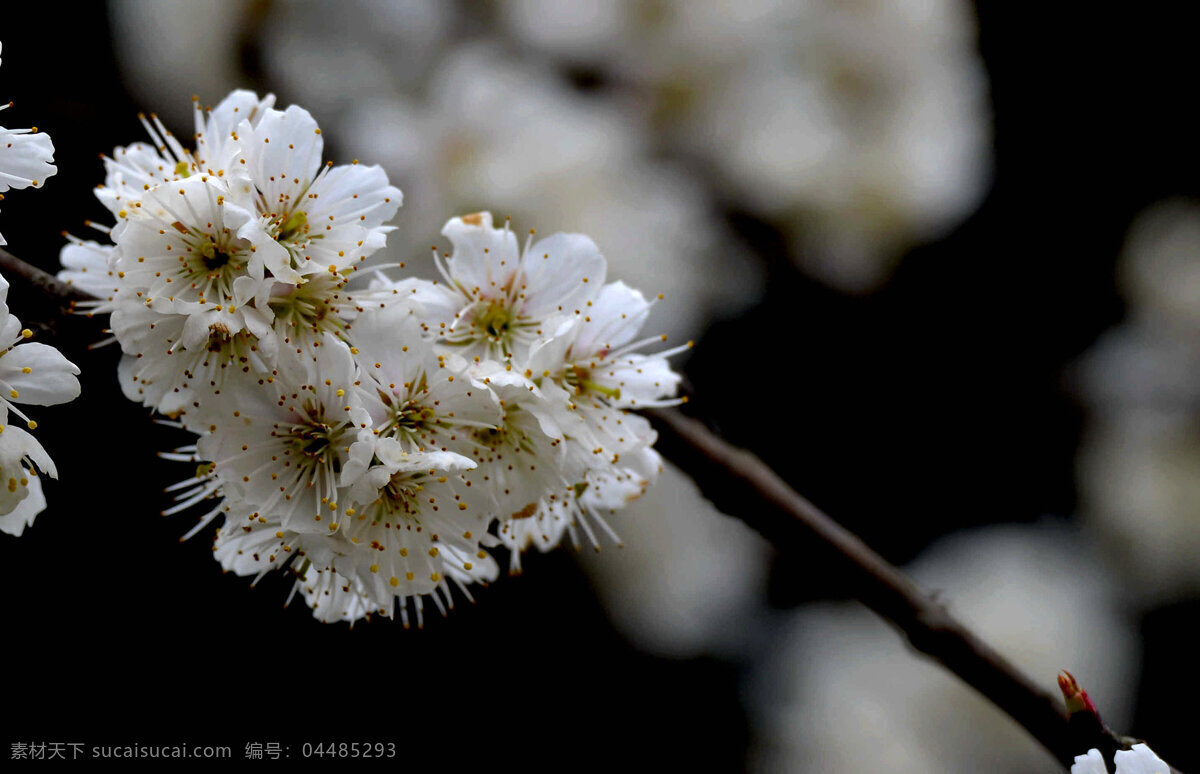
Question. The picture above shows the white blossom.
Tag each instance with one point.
(282, 448)
(427, 400)
(498, 298)
(323, 216)
(410, 521)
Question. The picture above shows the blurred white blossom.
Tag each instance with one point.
(1139, 462)
(859, 128)
(1159, 272)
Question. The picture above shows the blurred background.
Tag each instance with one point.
(943, 271)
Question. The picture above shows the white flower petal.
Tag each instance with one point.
(31, 503)
(283, 153)
(215, 128)
(562, 272)
(25, 158)
(484, 257)
(50, 379)
(1091, 763)
(615, 315)
(354, 191)
(1139, 760)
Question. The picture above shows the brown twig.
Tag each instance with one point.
(40, 280)
(47, 310)
(742, 485)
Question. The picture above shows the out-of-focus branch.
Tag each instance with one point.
(743, 486)
(45, 304)
(35, 277)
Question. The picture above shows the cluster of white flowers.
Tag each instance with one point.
(30, 373)
(375, 440)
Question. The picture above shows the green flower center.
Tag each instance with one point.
(495, 320)
(213, 257)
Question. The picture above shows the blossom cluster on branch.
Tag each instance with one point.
(377, 439)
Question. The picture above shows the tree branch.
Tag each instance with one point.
(742, 485)
(43, 281)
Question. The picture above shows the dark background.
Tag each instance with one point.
(947, 386)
